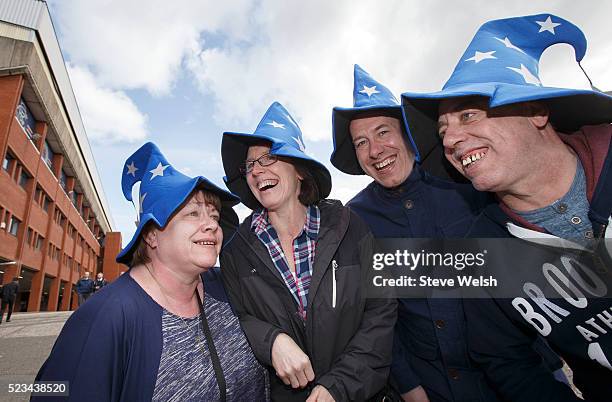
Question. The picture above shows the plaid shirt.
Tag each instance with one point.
(303, 252)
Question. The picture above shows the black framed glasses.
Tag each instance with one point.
(263, 160)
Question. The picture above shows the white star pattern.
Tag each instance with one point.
(369, 90)
(480, 56)
(548, 25)
(509, 44)
(300, 143)
(158, 171)
(141, 201)
(276, 125)
(131, 169)
(527, 76)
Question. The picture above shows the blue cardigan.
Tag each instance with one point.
(109, 349)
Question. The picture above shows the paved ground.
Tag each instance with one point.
(25, 343)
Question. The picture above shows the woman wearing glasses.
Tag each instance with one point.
(293, 271)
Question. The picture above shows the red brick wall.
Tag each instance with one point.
(14, 200)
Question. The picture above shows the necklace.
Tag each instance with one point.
(185, 324)
(214, 356)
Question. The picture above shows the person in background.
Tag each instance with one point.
(100, 282)
(294, 272)
(84, 288)
(8, 294)
(164, 331)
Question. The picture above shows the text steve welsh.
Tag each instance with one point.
(427, 281)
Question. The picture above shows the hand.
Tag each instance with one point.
(320, 394)
(290, 362)
(417, 394)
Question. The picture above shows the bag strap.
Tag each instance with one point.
(213, 351)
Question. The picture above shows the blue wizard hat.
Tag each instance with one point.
(163, 190)
(502, 63)
(368, 96)
(279, 129)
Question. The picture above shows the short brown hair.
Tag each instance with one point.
(141, 252)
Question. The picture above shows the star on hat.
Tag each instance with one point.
(276, 125)
(480, 56)
(513, 76)
(131, 169)
(509, 44)
(158, 171)
(547, 25)
(369, 90)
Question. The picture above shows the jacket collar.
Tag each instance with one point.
(410, 187)
(591, 144)
(333, 225)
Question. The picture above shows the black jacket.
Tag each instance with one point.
(349, 345)
(99, 284)
(9, 291)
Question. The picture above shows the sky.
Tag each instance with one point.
(181, 73)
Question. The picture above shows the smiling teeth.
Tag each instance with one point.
(384, 163)
(266, 183)
(205, 243)
(473, 158)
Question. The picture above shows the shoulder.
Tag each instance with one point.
(363, 197)
(451, 195)
(491, 222)
(237, 241)
(213, 284)
(122, 301)
(343, 219)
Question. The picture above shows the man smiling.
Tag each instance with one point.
(430, 360)
(545, 153)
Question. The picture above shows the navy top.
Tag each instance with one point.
(110, 348)
(430, 346)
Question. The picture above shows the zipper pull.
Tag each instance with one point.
(334, 268)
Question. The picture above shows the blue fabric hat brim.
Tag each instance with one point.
(344, 157)
(228, 218)
(234, 148)
(570, 109)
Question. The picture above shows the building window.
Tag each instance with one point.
(45, 203)
(24, 177)
(39, 242)
(26, 119)
(7, 162)
(63, 178)
(47, 155)
(14, 227)
(73, 197)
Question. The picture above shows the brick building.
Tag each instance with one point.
(54, 219)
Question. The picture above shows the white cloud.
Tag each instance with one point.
(303, 56)
(248, 53)
(108, 115)
(132, 44)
